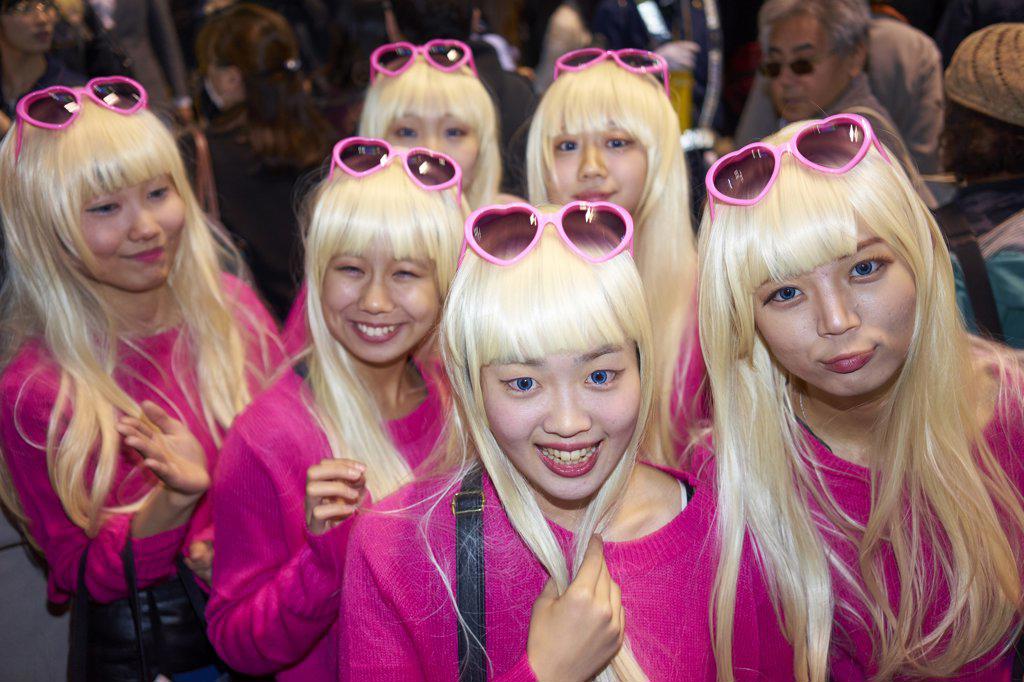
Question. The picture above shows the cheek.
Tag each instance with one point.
(102, 238)
(465, 153)
(339, 292)
(511, 420)
(788, 338)
(563, 178)
(422, 301)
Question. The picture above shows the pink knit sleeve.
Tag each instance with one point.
(28, 399)
(373, 642)
(273, 598)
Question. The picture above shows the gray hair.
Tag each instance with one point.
(845, 22)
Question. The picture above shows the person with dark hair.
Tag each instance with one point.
(421, 20)
(983, 147)
(26, 39)
(265, 136)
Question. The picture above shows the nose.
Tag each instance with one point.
(837, 312)
(376, 298)
(592, 162)
(567, 416)
(144, 227)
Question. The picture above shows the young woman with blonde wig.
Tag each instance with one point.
(594, 565)
(606, 133)
(122, 336)
(864, 443)
(381, 251)
(446, 110)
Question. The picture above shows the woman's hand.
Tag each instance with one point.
(575, 635)
(200, 559)
(335, 488)
(168, 449)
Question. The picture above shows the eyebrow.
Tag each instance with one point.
(868, 242)
(580, 360)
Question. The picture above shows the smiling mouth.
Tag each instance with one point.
(570, 463)
(376, 333)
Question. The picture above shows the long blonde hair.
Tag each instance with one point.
(604, 96)
(48, 261)
(936, 483)
(348, 216)
(423, 90)
(551, 302)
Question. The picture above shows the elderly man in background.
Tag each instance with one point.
(815, 55)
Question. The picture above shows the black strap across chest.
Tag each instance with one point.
(468, 508)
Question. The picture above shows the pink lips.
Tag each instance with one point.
(570, 470)
(384, 338)
(592, 196)
(150, 256)
(847, 364)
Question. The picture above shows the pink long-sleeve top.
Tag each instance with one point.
(850, 484)
(275, 584)
(156, 368)
(397, 622)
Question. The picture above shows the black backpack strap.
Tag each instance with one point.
(78, 657)
(1018, 659)
(196, 597)
(963, 242)
(468, 508)
(128, 559)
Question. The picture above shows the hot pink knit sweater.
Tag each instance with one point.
(158, 369)
(397, 622)
(275, 585)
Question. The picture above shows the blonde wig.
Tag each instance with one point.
(607, 96)
(549, 303)
(50, 295)
(935, 482)
(349, 216)
(426, 91)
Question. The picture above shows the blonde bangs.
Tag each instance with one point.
(352, 215)
(552, 302)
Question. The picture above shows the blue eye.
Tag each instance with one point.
(865, 268)
(522, 384)
(785, 294)
(619, 143)
(566, 146)
(600, 377)
(405, 131)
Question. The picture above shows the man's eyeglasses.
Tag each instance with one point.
(799, 67)
(25, 7)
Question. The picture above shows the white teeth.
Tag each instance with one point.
(375, 331)
(566, 457)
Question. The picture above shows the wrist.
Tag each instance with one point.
(180, 500)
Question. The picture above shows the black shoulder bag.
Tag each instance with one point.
(468, 508)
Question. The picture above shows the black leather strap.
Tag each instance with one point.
(1018, 660)
(468, 508)
(963, 242)
(128, 559)
(78, 657)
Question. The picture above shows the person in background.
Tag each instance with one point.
(983, 146)
(421, 20)
(265, 137)
(964, 17)
(81, 42)
(26, 37)
(813, 65)
(145, 30)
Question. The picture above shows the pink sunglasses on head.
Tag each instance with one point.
(503, 235)
(632, 60)
(832, 145)
(58, 106)
(395, 59)
(430, 170)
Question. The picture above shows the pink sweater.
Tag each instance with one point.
(28, 391)
(398, 624)
(274, 583)
(851, 486)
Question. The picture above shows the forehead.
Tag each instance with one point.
(799, 31)
(429, 118)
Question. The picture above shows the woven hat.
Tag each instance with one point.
(987, 73)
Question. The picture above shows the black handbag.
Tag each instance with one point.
(158, 630)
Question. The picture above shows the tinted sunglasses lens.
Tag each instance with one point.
(394, 58)
(833, 145)
(771, 69)
(580, 58)
(505, 235)
(55, 108)
(117, 94)
(639, 60)
(802, 67)
(431, 170)
(745, 177)
(446, 54)
(363, 157)
(594, 231)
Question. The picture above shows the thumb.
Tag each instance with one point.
(158, 416)
(549, 593)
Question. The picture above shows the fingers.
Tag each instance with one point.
(334, 489)
(338, 469)
(619, 621)
(160, 419)
(333, 511)
(547, 595)
(593, 562)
